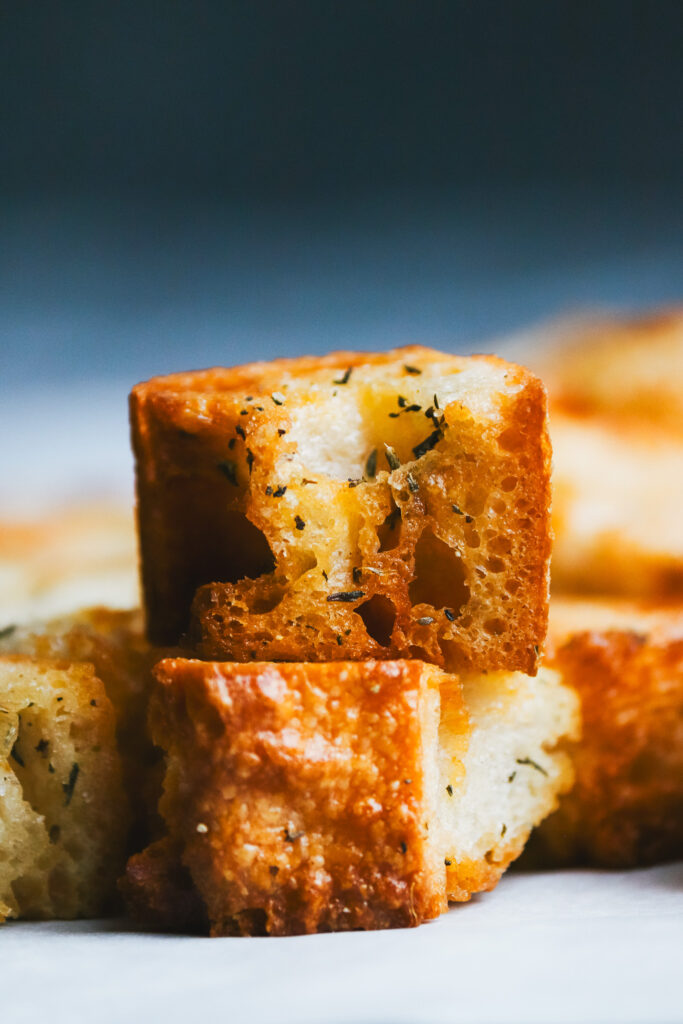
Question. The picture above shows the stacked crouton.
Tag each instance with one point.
(332, 540)
(616, 623)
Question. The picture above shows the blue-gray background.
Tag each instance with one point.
(188, 183)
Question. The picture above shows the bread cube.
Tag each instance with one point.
(628, 368)
(618, 491)
(347, 507)
(113, 643)
(626, 663)
(318, 797)
(63, 815)
(72, 558)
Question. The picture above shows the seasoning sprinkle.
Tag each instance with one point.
(412, 483)
(402, 402)
(345, 596)
(345, 378)
(70, 784)
(250, 459)
(354, 483)
(232, 442)
(450, 614)
(273, 869)
(404, 846)
(458, 511)
(447, 862)
(412, 370)
(357, 574)
(300, 524)
(278, 398)
(503, 830)
(413, 408)
(391, 457)
(202, 828)
(281, 431)
(305, 481)
(449, 789)
(371, 464)
(280, 491)
(536, 649)
(394, 415)
(436, 402)
(241, 431)
(339, 640)
(42, 746)
(7, 631)
(469, 519)
(408, 782)
(325, 576)
(511, 778)
(426, 446)
(291, 837)
(229, 469)
(532, 764)
(426, 620)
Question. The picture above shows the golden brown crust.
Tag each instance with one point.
(212, 508)
(626, 807)
(298, 793)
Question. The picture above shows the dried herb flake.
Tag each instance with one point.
(345, 596)
(70, 784)
(426, 446)
(532, 764)
(345, 378)
(229, 470)
(391, 457)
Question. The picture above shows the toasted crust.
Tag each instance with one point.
(630, 369)
(444, 558)
(626, 808)
(618, 491)
(286, 791)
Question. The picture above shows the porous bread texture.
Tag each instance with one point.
(628, 368)
(323, 797)
(625, 661)
(114, 643)
(63, 814)
(68, 560)
(617, 497)
(347, 507)
(506, 771)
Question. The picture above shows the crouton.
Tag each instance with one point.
(63, 815)
(626, 663)
(618, 491)
(77, 557)
(114, 643)
(347, 507)
(628, 369)
(318, 797)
